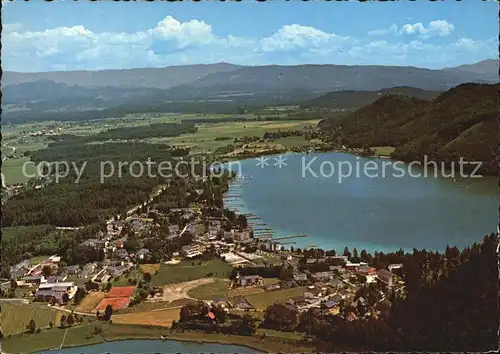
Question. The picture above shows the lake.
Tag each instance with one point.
(153, 346)
(374, 211)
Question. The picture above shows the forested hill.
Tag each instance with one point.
(463, 121)
(451, 306)
(357, 99)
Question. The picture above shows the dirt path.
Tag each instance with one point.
(176, 291)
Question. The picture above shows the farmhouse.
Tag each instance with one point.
(366, 270)
(193, 250)
(385, 276)
(251, 280)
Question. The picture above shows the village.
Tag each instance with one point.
(247, 271)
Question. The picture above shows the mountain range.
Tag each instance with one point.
(70, 91)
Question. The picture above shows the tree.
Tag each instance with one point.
(147, 277)
(31, 326)
(79, 295)
(51, 324)
(47, 271)
(65, 298)
(280, 317)
(13, 284)
(108, 312)
(70, 321)
(62, 321)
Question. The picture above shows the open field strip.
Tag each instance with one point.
(153, 318)
(15, 316)
(90, 301)
(262, 300)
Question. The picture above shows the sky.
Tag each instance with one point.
(84, 35)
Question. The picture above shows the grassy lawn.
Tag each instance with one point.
(12, 170)
(279, 334)
(292, 141)
(37, 260)
(163, 317)
(122, 280)
(90, 301)
(269, 281)
(52, 338)
(85, 335)
(262, 300)
(218, 289)
(204, 138)
(150, 268)
(15, 316)
(383, 150)
(150, 306)
(185, 271)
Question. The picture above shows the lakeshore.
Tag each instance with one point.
(336, 215)
(49, 341)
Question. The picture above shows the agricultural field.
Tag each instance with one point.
(191, 270)
(12, 170)
(15, 316)
(244, 291)
(292, 141)
(263, 300)
(204, 138)
(90, 302)
(217, 289)
(37, 260)
(155, 305)
(152, 318)
(150, 268)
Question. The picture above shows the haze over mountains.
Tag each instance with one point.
(66, 91)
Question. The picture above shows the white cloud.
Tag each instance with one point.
(393, 29)
(439, 28)
(171, 42)
(185, 33)
(295, 36)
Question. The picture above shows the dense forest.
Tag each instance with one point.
(463, 121)
(81, 199)
(357, 99)
(452, 305)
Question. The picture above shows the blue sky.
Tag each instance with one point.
(68, 35)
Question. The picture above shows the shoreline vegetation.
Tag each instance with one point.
(79, 336)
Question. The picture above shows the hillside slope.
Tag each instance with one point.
(357, 99)
(463, 121)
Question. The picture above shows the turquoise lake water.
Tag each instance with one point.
(369, 211)
(152, 346)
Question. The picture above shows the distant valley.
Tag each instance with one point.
(39, 96)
